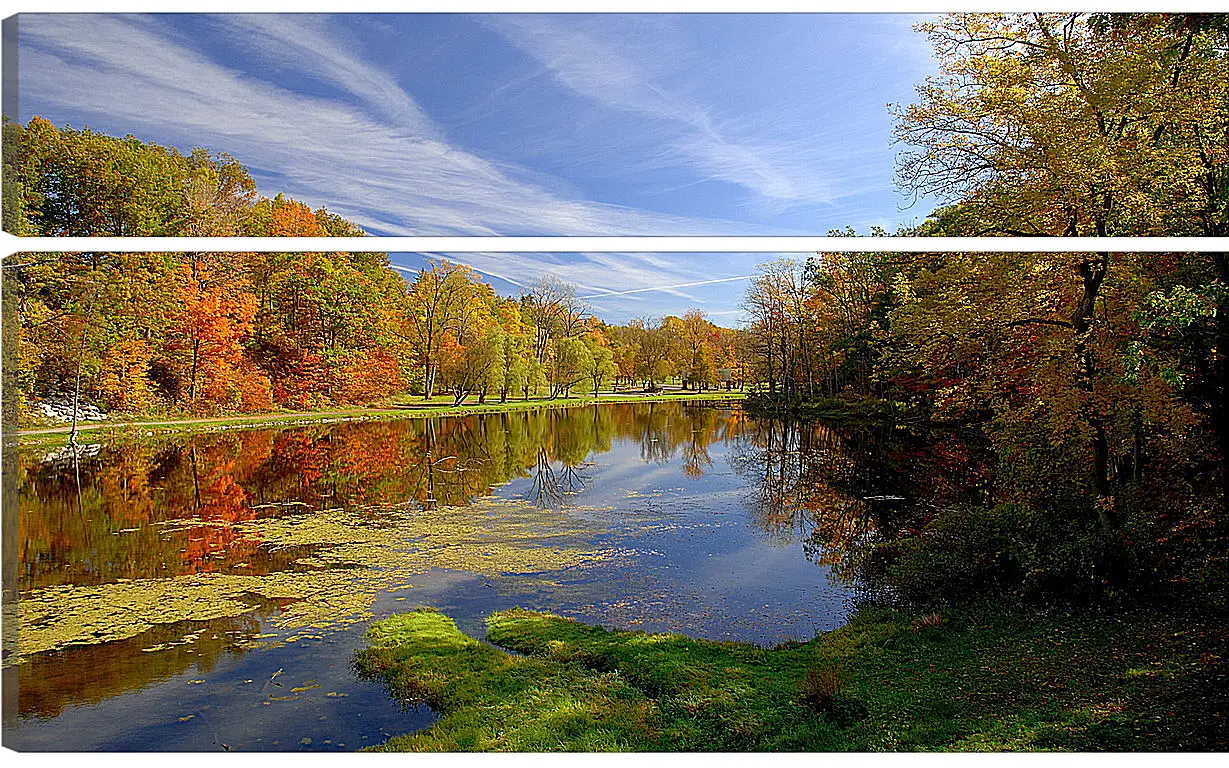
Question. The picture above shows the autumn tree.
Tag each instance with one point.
(473, 362)
(435, 303)
(82, 183)
(206, 342)
(653, 347)
(78, 182)
(781, 326)
(1071, 124)
(695, 338)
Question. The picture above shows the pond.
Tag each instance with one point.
(208, 592)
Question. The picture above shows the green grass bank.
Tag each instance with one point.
(1029, 679)
(405, 408)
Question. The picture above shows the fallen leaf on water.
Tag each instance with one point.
(186, 719)
(302, 688)
(195, 682)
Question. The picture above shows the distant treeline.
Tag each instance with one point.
(213, 333)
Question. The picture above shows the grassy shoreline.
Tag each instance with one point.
(410, 408)
(982, 680)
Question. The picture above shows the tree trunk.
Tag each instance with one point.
(1220, 402)
(196, 349)
(85, 323)
(72, 435)
(1092, 272)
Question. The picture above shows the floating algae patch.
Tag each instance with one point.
(58, 617)
(355, 555)
(489, 538)
(504, 536)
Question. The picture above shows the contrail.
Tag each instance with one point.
(495, 274)
(604, 293)
(412, 271)
(668, 287)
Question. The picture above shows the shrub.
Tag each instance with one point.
(822, 687)
(929, 621)
(965, 553)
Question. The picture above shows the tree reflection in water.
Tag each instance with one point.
(155, 510)
(842, 490)
(86, 675)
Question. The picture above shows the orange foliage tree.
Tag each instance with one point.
(207, 352)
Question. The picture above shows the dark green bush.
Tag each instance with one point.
(966, 553)
(830, 409)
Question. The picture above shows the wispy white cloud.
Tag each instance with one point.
(559, 119)
(624, 63)
(316, 48)
(619, 286)
(380, 162)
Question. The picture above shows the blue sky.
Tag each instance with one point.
(622, 286)
(511, 124)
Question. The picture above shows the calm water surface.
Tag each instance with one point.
(208, 593)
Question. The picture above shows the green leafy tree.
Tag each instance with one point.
(600, 366)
